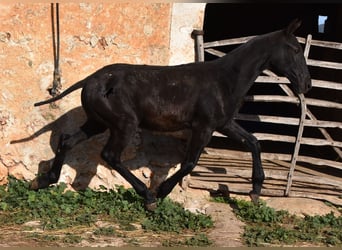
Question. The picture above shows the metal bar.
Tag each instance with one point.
(56, 84)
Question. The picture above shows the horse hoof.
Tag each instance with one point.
(151, 206)
(40, 182)
(34, 184)
(254, 197)
(224, 190)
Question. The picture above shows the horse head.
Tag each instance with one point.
(288, 59)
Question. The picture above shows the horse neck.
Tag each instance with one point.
(243, 65)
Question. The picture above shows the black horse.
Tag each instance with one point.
(202, 97)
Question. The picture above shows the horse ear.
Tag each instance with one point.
(293, 26)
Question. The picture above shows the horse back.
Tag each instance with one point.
(164, 98)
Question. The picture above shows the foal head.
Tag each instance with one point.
(287, 59)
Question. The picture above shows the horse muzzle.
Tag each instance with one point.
(301, 86)
(306, 86)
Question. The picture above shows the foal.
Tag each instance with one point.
(202, 97)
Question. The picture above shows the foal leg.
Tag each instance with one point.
(199, 139)
(66, 142)
(237, 132)
(119, 139)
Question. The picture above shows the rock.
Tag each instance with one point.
(20, 172)
(301, 206)
(3, 175)
(33, 226)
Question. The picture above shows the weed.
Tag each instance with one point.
(58, 209)
(72, 239)
(264, 225)
(105, 231)
(132, 242)
(46, 239)
(172, 217)
(261, 213)
(127, 227)
(200, 240)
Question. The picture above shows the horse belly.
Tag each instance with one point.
(166, 119)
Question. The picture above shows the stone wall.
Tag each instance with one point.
(92, 35)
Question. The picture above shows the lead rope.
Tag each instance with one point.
(56, 84)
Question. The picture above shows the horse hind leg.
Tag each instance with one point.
(118, 140)
(66, 142)
(201, 135)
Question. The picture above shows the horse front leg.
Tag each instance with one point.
(199, 139)
(241, 135)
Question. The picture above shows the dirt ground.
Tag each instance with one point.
(226, 232)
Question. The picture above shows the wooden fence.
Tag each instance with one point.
(306, 119)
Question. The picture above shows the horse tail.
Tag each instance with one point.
(72, 88)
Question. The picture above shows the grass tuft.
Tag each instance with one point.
(266, 226)
(56, 209)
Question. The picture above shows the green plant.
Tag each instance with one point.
(199, 240)
(170, 216)
(127, 227)
(105, 231)
(247, 211)
(44, 239)
(72, 239)
(56, 208)
(132, 242)
(264, 225)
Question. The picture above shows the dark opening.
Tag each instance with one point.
(233, 20)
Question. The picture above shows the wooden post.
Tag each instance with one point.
(307, 47)
(199, 49)
(300, 127)
(297, 145)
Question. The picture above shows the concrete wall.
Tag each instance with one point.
(92, 35)
(185, 18)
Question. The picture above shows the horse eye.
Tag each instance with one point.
(296, 50)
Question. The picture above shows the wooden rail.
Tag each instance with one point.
(233, 171)
(306, 119)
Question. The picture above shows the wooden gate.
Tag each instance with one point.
(279, 167)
